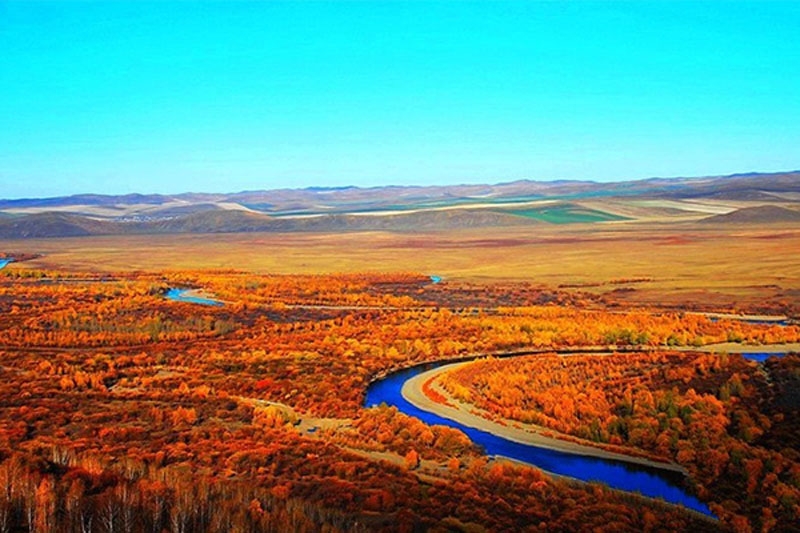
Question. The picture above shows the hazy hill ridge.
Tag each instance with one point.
(741, 199)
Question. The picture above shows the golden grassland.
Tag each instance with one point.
(668, 263)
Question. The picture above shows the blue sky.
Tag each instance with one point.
(117, 97)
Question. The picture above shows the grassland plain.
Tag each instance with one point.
(643, 264)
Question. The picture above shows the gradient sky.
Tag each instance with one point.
(117, 97)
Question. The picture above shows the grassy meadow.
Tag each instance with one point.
(668, 264)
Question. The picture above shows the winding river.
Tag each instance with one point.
(618, 474)
(651, 482)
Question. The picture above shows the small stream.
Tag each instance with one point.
(181, 295)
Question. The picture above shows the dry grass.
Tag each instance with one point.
(681, 260)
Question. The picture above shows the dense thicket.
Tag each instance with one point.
(720, 416)
(122, 410)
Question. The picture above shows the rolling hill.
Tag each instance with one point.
(762, 214)
(54, 225)
(741, 199)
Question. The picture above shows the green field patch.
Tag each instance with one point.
(565, 214)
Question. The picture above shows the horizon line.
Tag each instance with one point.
(409, 186)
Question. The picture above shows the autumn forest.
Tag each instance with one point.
(125, 410)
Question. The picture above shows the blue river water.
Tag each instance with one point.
(630, 477)
(435, 279)
(179, 295)
(760, 357)
(4, 262)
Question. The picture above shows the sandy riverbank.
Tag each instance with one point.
(734, 347)
(199, 293)
(518, 432)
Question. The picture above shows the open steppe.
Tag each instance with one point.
(650, 264)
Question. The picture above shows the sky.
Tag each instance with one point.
(116, 97)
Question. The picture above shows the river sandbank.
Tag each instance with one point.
(528, 434)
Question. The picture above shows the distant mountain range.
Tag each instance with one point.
(737, 199)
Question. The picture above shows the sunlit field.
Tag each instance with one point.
(663, 264)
